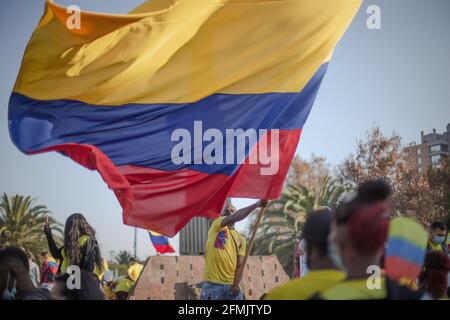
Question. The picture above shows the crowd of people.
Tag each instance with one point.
(22, 279)
(341, 245)
(336, 250)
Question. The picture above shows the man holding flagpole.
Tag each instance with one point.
(225, 250)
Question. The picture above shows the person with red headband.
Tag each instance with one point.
(356, 244)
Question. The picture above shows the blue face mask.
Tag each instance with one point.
(10, 294)
(438, 239)
(333, 253)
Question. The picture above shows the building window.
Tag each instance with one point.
(438, 148)
(436, 159)
(419, 151)
(435, 148)
(419, 162)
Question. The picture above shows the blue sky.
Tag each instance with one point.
(396, 77)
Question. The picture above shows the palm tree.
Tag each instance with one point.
(21, 223)
(284, 219)
(123, 257)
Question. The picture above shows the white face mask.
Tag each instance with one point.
(10, 294)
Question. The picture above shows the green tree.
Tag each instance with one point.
(123, 257)
(282, 222)
(121, 269)
(21, 223)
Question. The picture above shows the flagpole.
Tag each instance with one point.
(250, 244)
(135, 243)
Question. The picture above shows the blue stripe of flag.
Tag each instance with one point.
(402, 248)
(158, 240)
(140, 134)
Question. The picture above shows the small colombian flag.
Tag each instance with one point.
(406, 247)
(160, 242)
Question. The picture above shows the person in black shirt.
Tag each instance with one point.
(89, 288)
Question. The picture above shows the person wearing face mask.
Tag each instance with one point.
(437, 242)
(323, 274)
(438, 232)
(15, 281)
(357, 239)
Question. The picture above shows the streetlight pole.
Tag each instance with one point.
(135, 242)
(111, 255)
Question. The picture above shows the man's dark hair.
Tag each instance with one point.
(368, 224)
(438, 225)
(367, 193)
(228, 209)
(132, 259)
(316, 229)
(14, 253)
(373, 191)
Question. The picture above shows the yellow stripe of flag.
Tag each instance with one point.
(182, 50)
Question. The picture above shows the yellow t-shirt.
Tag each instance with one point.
(355, 290)
(124, 285)
(65, 262)
(134, 271)
(222, 248)
(304, 288)
(435, 247)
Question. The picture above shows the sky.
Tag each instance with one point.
(396, 78)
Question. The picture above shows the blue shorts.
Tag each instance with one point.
(215, 291)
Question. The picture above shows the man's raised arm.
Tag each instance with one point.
(241, 214)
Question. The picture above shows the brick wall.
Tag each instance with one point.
(176, 278)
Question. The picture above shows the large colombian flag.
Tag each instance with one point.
(110, 95)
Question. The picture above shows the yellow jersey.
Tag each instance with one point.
(135, 270)
(124, 285)
(305, 288)
(66, 261)
(435, 247)
(222, 248)
(356, 289)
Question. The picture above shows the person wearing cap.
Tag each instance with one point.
(356, 242)
(322, 274)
